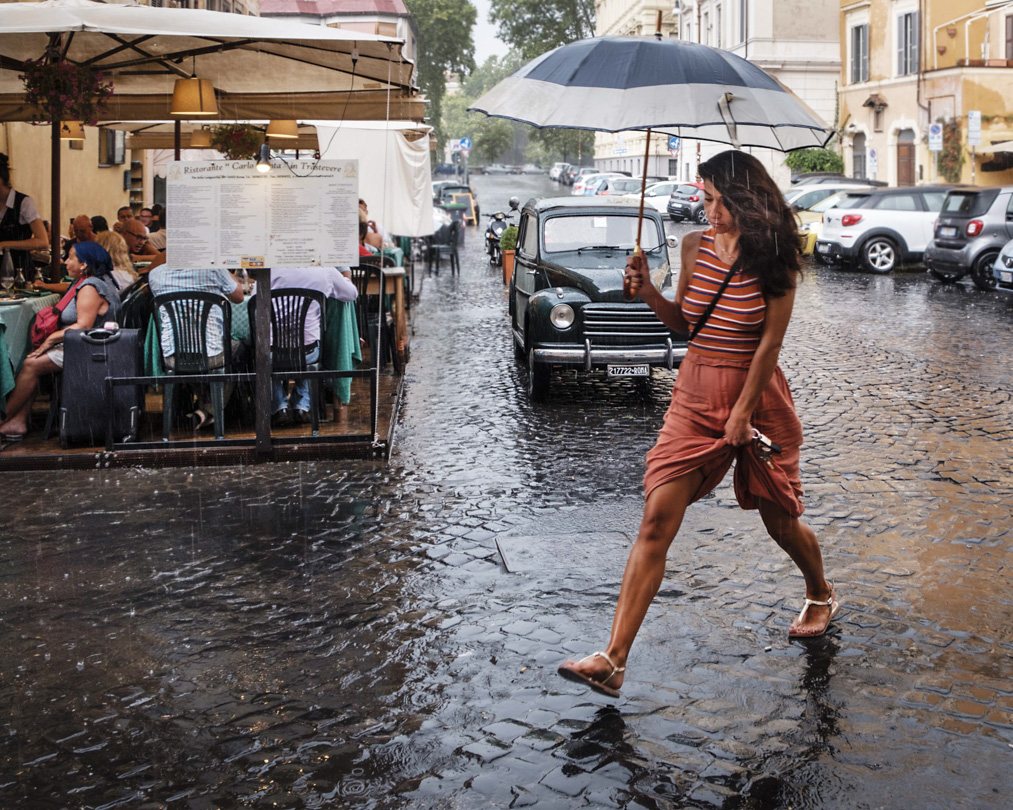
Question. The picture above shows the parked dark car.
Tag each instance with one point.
(444, 191)
(566, 293)
(972, 228)
(686, 202)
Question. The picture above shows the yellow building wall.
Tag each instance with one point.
(86, 188)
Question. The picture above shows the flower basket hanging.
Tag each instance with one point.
(237, 141)
(62, 91)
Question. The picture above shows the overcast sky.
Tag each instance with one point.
(486, 42)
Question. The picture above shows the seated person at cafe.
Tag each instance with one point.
(164, 280)
(364, 249)
(83, 232)
(333, 283)
(93, 301)
(156, 239)
(123, 269)
(123, 214)
(137, 243)
(145, 217)
(99, 224)
(376, 235)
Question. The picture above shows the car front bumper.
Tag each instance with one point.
(1003, 275)
(589, 356)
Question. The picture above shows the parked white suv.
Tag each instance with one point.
(881, 229)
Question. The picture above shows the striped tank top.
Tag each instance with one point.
(733, 330)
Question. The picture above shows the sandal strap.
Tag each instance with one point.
(615, 670)
(818, 603)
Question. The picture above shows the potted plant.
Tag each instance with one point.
(507, 246)
(237, 141)
(62, 91)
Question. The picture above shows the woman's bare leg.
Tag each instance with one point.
(645, 570)
(799, 541)
(20, 400)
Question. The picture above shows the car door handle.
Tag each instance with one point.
(531, 272)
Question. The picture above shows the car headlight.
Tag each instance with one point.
(561, 316)
(1008, 261)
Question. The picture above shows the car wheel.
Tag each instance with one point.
(879, 255)
(701, 217)
(538, 378)
(981, 271)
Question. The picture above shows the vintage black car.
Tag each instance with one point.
(566, 293)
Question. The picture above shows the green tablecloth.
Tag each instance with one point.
(341, 342)
(14, 321)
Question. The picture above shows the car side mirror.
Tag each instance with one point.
(672, 241)
(798, 207)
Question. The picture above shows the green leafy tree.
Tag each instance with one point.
(814, 160)
(445, 45)
(533, 27)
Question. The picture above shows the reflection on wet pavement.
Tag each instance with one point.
(346, 635)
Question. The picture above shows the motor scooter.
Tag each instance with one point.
(498, 223)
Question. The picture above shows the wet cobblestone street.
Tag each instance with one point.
(346, 634)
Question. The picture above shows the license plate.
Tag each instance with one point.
(1006, 276)
(629, 371)
(947, 231)
(824, 248)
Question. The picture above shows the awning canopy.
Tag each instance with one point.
(260, 68)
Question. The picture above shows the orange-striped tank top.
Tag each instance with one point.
(733, 329)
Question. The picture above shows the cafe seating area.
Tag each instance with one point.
(355, 382)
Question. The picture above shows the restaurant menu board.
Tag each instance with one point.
(225, 213)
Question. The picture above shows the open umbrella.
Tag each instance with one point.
(614, 84)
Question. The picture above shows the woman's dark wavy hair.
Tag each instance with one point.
(5, 169)
(768, 233)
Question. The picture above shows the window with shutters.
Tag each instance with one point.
(859, 56)
(907, 43)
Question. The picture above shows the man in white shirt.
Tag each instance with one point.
(333, 282)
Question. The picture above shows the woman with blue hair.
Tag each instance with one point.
(91, 300)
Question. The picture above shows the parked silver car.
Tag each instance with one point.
(972, 228)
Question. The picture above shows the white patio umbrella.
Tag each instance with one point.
(260, 68)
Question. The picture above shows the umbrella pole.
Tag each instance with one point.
(55, 274)
(643, 188)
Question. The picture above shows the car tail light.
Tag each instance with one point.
(694, 198)
(850, 219)
(974, 227)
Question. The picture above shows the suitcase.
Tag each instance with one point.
(89, 356)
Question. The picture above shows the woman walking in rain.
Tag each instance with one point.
(734, 298)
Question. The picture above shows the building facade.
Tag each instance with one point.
(910, 68)
(796, 41)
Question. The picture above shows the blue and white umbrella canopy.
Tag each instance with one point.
(613, 84)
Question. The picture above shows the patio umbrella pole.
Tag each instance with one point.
(262, 362)
(177, 137)
(55, 274)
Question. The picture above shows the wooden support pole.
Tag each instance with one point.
(55, 269)
(262, 362)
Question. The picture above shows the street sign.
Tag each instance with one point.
(455, 145)
(974, 127)
(873, 161)
(620, 147)
(465, 143)
(935, 137)
(674, 143)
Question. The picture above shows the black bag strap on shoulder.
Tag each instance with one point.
(710, 307)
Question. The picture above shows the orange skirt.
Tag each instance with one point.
(692, 437)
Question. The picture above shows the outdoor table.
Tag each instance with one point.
(341, 349)
(15, 316)
(394, 283)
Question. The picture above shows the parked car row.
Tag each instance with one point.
(956, 231)
(500, 168)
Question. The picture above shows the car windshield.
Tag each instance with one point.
(596, 231)
(625, 186)
(687, 190)
(852, 200)
(967, 202)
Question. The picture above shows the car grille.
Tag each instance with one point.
(622, 326)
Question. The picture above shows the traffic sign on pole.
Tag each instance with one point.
(466, 143)
(935, 137)
(974, 127)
